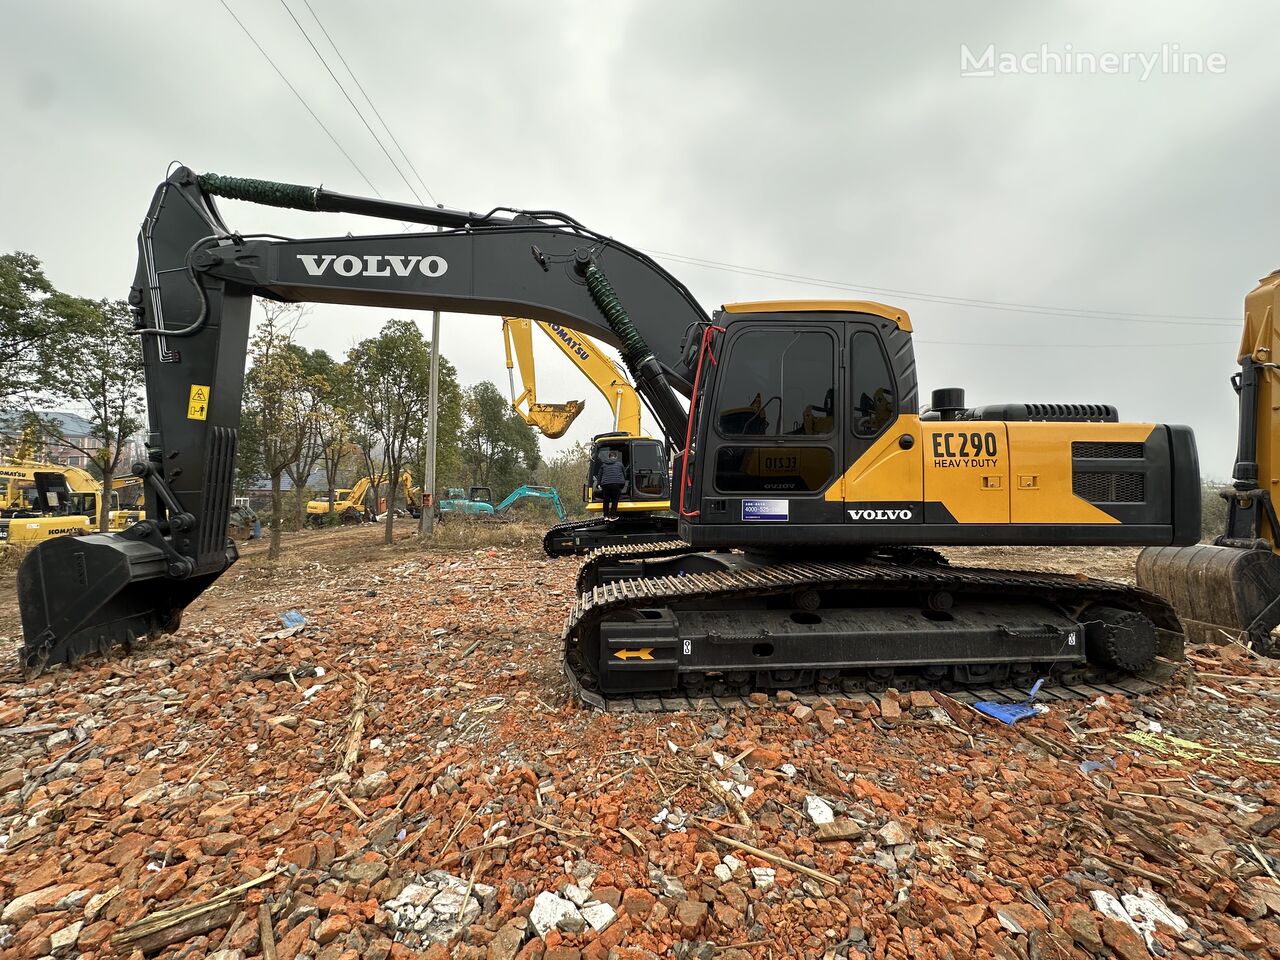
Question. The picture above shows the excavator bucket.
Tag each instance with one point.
(84, 595)
(552, 420)
(1219, 593)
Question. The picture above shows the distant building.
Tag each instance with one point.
(79, 432)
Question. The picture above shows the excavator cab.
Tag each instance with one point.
(648, 472)
(53, 512)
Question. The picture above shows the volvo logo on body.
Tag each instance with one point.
(373, 265)
(896, 514)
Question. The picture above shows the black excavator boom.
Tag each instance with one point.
(192, 293)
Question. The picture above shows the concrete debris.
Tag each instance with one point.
(819, 810)
(551, 912)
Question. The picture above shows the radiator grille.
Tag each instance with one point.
(1110, 487)
(1106, 450)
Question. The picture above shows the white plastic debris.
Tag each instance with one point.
(674, 819)
(743, 790)
(819, 810)
(319, 671)
(1146, 907)
(1139, 912)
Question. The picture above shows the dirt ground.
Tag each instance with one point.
(407, 775)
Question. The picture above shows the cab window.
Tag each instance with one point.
(778, 383)
(871, 385)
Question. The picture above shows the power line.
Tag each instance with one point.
(1039, 309)
(359, 113)
(295, 92)
(1063, 346)
(377, 113)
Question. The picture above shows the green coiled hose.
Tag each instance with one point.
(634, 349)
(269, 192)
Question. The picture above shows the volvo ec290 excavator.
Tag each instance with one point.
(644, 509)
(808, 485)
(1231, 587)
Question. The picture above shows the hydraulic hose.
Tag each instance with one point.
(650, 380)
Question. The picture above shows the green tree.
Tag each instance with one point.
(277, 406)
(499, 449)
(390, 379)
(103, 378)
(333, 427)
(319, 386)
(37, 325)
(567, 472)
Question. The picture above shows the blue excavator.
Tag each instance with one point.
(477, 503)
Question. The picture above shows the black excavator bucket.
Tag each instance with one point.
(1216, 590)
(83, 595)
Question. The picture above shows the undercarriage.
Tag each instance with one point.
(661, 621)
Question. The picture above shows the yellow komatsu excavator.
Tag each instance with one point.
(644, 510)
(44, 500)
(350, 506)
(1231, 588)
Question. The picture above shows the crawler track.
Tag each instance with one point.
(638, 583)
(577, 537)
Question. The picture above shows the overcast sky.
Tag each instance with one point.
(835, 141)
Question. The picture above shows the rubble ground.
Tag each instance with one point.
(405, 774)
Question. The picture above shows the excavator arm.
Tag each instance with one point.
(591, 362)
(1231, 587)
(530, 492)
(552, 420)
(192, 295)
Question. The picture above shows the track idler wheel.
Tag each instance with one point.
(1121, 639)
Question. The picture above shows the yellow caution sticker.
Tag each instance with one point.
(198, 402)
(644, 653)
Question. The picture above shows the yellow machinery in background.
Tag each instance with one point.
(644, 509)
(45, 500)
(349, 503)
(1230, 589)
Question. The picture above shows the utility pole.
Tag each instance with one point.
(427, 520)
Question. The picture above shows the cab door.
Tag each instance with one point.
(775, 443)
(882, 485)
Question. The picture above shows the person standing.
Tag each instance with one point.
(613, 480)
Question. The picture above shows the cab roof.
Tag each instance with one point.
(896, 314)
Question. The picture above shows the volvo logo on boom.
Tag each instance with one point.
(373, 265)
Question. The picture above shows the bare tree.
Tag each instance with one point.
(278, 402)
